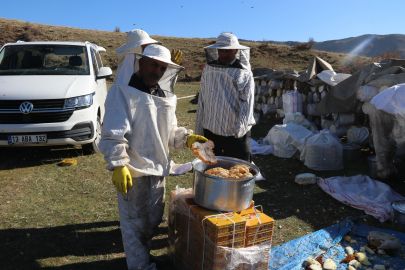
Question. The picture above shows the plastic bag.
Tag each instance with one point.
(358, 136)
(292, 102)
(392, 100)
(322, 152)
(366, 93)
(288, 140)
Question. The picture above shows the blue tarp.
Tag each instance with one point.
(328, 242)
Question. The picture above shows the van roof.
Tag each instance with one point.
(75, 43)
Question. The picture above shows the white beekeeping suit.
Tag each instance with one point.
(137, 132)
(133, 44)
(227, 111)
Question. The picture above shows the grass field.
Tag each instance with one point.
(57, 217)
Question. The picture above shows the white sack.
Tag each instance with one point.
(298, 119)
(311, 109)
(278, 102)
(323, 94)
(366, 107)
(292, 102)
(392, 100)
(321, 88)
(269, 108)
(280, 113)
(344, 119)
(322, 152)
(290, 117)
(263, 83)
(274, 84)
(358, 136)
(310, 98)
(325, 123)
(288, 140)
(339, 131)
(366, 93)
(264, 91)
(361, 192)
(315, 97)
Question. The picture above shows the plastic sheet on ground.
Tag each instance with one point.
(261, 149)
(328, 242)
(361, 192)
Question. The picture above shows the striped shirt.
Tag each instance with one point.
(225, 101)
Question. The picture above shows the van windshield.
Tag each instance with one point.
(44, 60)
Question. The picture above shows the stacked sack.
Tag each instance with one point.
(200, 238)
(268, 95)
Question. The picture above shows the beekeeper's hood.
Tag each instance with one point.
(228, 41)
(160, 53)
(136, 38)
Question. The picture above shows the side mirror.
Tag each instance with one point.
(104, 72)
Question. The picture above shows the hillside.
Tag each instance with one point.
(365, 45)
(372, 44)
(280, 57)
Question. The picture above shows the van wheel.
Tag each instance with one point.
(92, 148)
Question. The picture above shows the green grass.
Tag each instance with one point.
(67, 217)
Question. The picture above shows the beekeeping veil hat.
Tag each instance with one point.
(136, 38)
(133, 42)
(228, 41)
(160, 53)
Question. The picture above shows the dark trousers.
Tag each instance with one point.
(231, 146)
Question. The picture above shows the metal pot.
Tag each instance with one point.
(223, 194)
(398, 219)
(351, 152)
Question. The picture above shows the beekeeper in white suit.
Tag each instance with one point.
(136, 42)
(139, 127)
(225, 102)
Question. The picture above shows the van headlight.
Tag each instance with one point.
(79, 102)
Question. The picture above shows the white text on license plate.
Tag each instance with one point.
(40, 138)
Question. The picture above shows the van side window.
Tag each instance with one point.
(98, 57)
(94, 61)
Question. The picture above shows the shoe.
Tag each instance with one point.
(164, 219)
(160, 263)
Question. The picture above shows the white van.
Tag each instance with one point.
(52, 93)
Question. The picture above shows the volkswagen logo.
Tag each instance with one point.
(26, 107)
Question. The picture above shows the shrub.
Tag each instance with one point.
(388, 55)
(354, 64)
(303, 46)
(117, 29)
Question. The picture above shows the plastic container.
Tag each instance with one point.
(351, 152)
(398, 220)
(372, 166)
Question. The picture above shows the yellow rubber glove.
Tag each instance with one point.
(194, 138)
(122, 179)
(176, 56)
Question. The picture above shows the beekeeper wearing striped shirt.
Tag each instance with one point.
(225, 101)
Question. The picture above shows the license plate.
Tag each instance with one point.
(40, 138)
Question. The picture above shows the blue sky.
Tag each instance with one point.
(282, 20)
